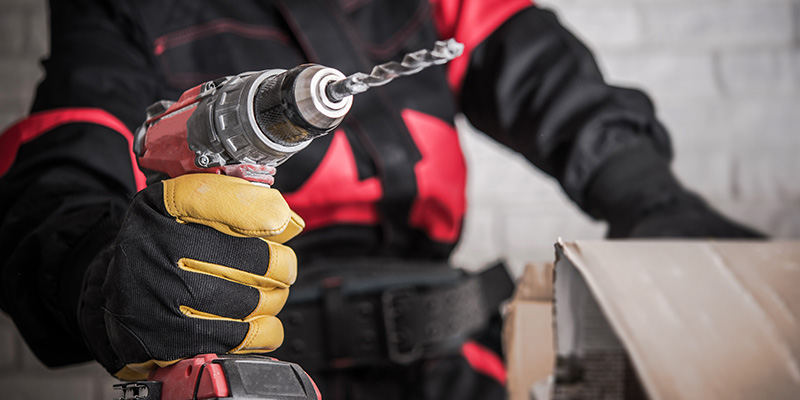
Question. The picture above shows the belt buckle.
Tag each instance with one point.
(400, 342)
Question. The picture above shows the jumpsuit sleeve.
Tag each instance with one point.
(533, 86)
(67, 172)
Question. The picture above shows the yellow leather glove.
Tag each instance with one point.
(199, 266)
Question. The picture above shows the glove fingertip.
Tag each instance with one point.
(282, 263)
(294, 226)
(265, 334)
(297, 219)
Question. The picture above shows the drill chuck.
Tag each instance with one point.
(292, 107)
(263, 118)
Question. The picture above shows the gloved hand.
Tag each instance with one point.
(198, 267)
(637, 194)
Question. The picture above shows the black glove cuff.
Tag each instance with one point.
(84, 252)
(631, 184)
(66, 288)
(638, 195)
(82, 282)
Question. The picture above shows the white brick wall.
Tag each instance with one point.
(722, 24)
(759, 72)
(23, 41)
(725, 75)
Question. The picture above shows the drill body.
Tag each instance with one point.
(243, 125)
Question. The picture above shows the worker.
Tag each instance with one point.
(96, 266)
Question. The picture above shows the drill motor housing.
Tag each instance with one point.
(243, 125)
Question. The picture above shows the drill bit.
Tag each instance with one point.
(443, 51)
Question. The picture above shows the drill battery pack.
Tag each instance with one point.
(219, 377)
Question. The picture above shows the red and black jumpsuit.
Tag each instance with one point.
(388, 183)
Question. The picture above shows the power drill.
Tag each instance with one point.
(245, 126)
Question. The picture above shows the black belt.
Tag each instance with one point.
(378, 315)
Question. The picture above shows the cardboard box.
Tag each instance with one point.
(528, 333)
(666, 320)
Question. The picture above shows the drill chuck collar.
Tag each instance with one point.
(264, 117)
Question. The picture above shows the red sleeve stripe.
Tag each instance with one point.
(214, 27)
(39, 123)
(471, 22)
(485, 361)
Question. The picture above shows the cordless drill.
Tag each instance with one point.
(242, 125)
(245, 126)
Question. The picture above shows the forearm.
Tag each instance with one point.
(59, 208)
(67, 173)
(534, 87)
